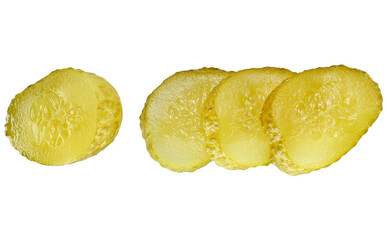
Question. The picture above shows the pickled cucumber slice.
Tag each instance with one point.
(317, 116)
(235, 137)
(67, 116)
(171, 121)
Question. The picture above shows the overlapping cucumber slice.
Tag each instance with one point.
(171, 121)
(317, 116)
(235, 136)
(67, 116)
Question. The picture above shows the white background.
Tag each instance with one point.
(122, 193)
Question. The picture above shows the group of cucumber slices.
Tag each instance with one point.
(300, 122)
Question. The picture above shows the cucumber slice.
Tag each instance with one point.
(67, 116)
(236, 138)
(317, 116)
(171, 121)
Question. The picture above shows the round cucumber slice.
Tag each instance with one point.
(236, 138)
(317, 116)
(171, 121)
(67, 116)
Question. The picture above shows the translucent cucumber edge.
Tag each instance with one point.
(211, 128)
(9, 126)
(109, 116)
(278, 152)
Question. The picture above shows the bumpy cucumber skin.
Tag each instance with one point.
(211, 126)
(11, 124)
(147, 133)
(278, 152)
(109, 118)
(279, 156)
(109, 115)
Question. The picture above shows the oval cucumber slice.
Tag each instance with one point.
(66, 117)
(317, 116)
(171, 121)
(236, 138)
